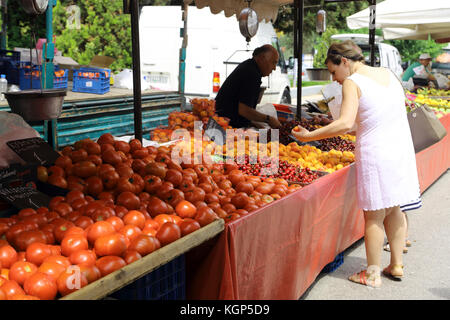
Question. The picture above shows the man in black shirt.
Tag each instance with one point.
(240, 93)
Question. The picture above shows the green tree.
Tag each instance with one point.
(410, 50)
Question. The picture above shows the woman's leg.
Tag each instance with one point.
(373, 239)
(395, 226)
(374, 236)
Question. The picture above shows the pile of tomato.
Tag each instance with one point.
(125, 201)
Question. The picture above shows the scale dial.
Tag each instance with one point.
(248, 23)
(34, 7)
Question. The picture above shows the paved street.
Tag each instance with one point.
(427, 264)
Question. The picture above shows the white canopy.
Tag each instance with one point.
(265, 9)
(407, 19)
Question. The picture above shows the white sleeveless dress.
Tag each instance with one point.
(385, 160)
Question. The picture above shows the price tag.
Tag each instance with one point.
(34, 150)
(25, 197)
(215, 132)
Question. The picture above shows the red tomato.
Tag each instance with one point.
(156, 206)
(71, 280)
(93, 148)
(158, 169)
(185, 209)
(205, 216)
(92, 273)
(106, 138)
(37, 252)
(174, 176)
(84, 222)
(128, 200)
(94, 186)
(131, 256)
(197, 194)
(245, 187)
(168, 233)
(26, 212)
(160, 219)
(61, 229)
(72, 243)
(152, 183)
(110, 245)
(11, 288)
(229, 207)
(236, 176)
(240, 200)
(52, 269)
(109, 264)
(116, 222)
(19, 296)
(130, 231)
(63, 161)
(188, 225)
(21, 270)
(136, 218)
(151, 223)
(99, 229)
(111, 156)
(25, 238)
(8, 255)
(144, 244)
(41, 285)
(86, 257)
(84, 169)
(149, 231)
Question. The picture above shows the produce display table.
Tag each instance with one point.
(120, 278)
(278, 251)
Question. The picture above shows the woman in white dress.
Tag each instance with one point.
(386, 172)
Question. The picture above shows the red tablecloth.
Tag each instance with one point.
(278, 251)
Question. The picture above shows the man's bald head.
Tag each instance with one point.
(266, 57)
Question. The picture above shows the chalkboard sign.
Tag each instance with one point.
(215, 132)
(34, 150)
(17, 173)
(25, 197)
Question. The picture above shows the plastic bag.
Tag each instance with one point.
(124, 80)
(443, 82)
(269, 109)
(12, 127)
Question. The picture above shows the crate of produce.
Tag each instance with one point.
(167, 282)
(91, 80)
(60, 77)
(333, 265)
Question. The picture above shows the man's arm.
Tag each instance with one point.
(253, 115)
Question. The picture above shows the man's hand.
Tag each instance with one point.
(274, 123)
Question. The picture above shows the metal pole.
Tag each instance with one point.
(134, 8)
(48, 48)
(299, 51)
(182, 63)
(372, 31)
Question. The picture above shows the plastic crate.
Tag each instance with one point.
(24, 77)
(91, 80)
(333, 265)
(165, 283)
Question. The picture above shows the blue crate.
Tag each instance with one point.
(24, 78)
(167, 282)
(333, 265)
(61, 82)
(97, 83)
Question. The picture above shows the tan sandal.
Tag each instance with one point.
(394, 272)
(366, 279)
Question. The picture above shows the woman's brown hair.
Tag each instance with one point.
(347, 49)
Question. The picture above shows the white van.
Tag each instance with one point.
(385, 55)
(215, 47)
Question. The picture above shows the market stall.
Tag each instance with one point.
(255, 260)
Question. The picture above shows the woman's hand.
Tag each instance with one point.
(301, 134)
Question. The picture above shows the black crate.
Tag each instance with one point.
(168, 282)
